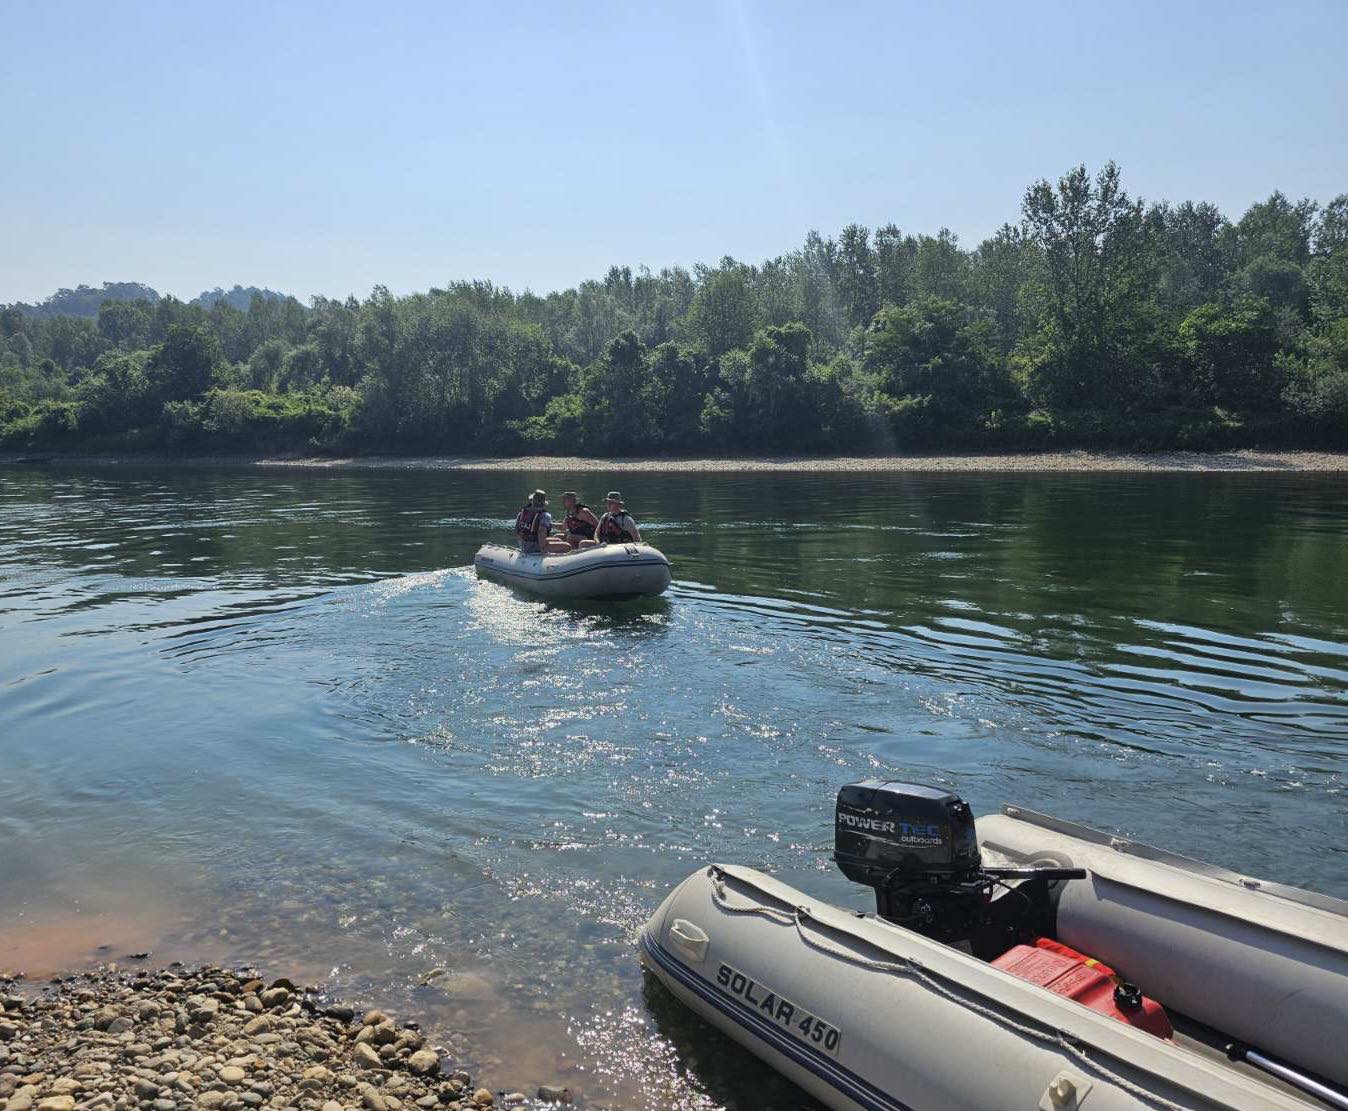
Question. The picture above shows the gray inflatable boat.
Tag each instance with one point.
(1018, 962)
(611, 571)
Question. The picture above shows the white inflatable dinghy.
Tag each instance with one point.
(1025, 963)
(611, 571)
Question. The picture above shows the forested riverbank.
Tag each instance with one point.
(1097, 320)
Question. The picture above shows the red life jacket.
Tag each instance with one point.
(526, 524)
(610, 531)
(575, 526)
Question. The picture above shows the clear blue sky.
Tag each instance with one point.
(326, 147)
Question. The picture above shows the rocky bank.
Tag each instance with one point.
(219, 1040)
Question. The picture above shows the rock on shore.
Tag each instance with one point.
(218, 1040)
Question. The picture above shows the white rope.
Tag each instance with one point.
(908, 967)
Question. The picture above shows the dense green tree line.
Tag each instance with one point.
(1096, 320)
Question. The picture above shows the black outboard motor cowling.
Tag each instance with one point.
(917, 847)
(887, 831)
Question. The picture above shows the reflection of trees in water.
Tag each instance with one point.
(1104, 548)
(1212, 551)
(251, 528)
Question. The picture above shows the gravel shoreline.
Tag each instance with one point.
(1038, 462)
(219, 1040)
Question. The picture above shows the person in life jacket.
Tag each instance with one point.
(533, 526)
(580, 521)
(616, 526)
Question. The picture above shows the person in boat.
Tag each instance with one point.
(533, 527)
(616, 525)
(580, 522)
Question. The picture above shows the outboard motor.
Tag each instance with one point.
(916, 846)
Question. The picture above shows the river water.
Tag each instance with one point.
(273, 717)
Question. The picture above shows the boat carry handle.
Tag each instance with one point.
(691, 938)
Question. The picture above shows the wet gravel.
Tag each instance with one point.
(220, 1040)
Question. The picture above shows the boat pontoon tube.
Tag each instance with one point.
(607, 571)
(864, 1014)
(1261, 962)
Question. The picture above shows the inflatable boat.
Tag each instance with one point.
(1018, 962)
(611, 571)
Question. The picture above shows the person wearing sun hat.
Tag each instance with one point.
(580, 522)
(616, 525)
(533, 525)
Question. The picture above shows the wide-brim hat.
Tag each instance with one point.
(538, 497)
(613, 495)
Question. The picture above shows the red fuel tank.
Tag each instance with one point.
(1064, 971)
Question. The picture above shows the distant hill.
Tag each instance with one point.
(240, 296)
(85, 299)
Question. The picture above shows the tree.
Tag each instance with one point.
(1232, 350)
(723, 315)
(1328, 270)
(302, 366)
(679, 379)
(184, 366)
(126, 324)
(940, 268)
(1001, 268)
(616, 415)
(775, 397)
(263, 370)
(332, 328)
(936, 363)
(1317, 381)
(598, 318)
(22, 349)
(821, 309)
(119, 395)
(858, 285)
(1091, 293)
(1317, 368)
(1269, 249)
(1191, 266)
(894, 261)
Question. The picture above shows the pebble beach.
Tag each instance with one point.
(1031, 462)
(220, 1040)
(1053, 462)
